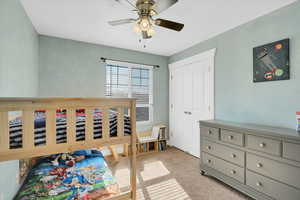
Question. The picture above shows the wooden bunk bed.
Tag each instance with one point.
(28, 107)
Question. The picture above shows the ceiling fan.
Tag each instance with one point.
(146, 10)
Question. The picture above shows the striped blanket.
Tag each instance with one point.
(15, 127)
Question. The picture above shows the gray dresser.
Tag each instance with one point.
(260, 161)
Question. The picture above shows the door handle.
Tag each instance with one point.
(187, 113)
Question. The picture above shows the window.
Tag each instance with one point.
(131, 80)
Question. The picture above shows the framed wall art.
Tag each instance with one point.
(271, 62)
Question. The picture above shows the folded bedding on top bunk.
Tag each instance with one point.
(81, 175)
(15, 127)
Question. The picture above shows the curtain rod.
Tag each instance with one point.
(105, 59)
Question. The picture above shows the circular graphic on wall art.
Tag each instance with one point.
(278, 46)
(279, 72)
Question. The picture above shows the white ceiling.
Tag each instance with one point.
(86, 20)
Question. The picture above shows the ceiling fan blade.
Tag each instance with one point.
(146, 35)
(121, 22)
(162, 5)
(169, 24)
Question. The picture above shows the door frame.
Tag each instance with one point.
(210, 57)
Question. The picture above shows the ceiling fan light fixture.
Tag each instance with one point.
(146, 10)
(145, 24)
(151, 31)
(144, 27)
(137, 28)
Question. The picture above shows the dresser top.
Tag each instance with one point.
(254, 128)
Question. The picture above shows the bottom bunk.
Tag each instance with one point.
(80, 175)
(32, 127)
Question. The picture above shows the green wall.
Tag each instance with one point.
(18, 51)
(73, 69)
(237, 98)
(18, 73)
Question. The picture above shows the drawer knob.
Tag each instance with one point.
(208, 147)
(208, 161)
(209, 132)
(233, 155)
(230, 137)
(259, 165)
(262, 145)
(233, 171)
(258, 184)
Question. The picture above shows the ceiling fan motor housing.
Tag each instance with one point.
(145, 7)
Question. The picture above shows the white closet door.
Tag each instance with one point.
(201, 100)
(178, 109)
(190, 93)
(187, 73)
(187, 114)
(191, 99)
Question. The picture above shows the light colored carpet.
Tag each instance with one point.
(173, 175)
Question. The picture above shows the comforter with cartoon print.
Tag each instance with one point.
(89, 178)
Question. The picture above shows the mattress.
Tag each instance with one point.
(15, 127)
(88, 178)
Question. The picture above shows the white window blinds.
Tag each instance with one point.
(131, 80)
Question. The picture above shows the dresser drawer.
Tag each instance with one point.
(271, 188)
(276, 170)
(229, 154)
(265, 145)
(291, 151)
(224, 167)
(210, 132)
(232, 137)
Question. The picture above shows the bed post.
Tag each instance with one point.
(133, 149)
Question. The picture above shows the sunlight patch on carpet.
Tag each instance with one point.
(123, 177)
(154, 170)
(167, 190)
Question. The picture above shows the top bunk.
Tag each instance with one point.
(32, 127)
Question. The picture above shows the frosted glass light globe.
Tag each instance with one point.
(151, 31)
(137, 28)
(145, 24)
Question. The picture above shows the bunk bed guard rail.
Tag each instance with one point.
(89, 109)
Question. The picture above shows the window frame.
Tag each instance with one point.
(138, 105)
